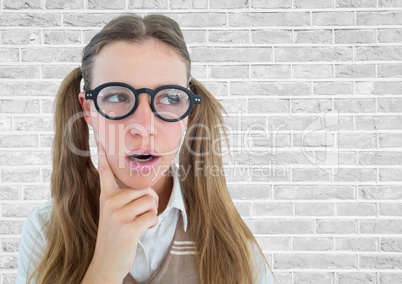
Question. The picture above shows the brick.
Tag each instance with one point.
(30, 20)
(250, 192)
(281, 277)
(244, 123)
(56, 71)
(282, 226)
(19, 72)
(355, 4)
(379, 123)
(355, 174)
(188, 4)
(356, 209)
(311, 175)
(33, 124)
(228, 54)
(267, 89)
(10, 245)
(356, 278)
(314, 209)
(313, 36)
(357, 140)
(67, 5)
(379, 18)
(391, 244)
(275, 173)
(390, 209)
(88, 35)
(268, 106)
(312, 244)
(28, 88)
(390, 140)
(20, 37)
(311, 4)
(49, 55)
(355, 71)
(389, 105)
(17, 210)
(20, 176)
(229, 71)
(278, 157)
(333, 18)
(10, 192)
(312, 277)
(47, 106)
(82, 20)
(156, 4)
(24, 158)
(271, 71)
(62, 37)
(271, 36)
(36, 192)
(46, 141)
(194, 37)
(199, 71)
(9, 278)
(389, 70)
(104, 4)
(5, 124)
(380, 158)
(356, 244)
(274, 244)
(378, 88)
(11, 227)
(301, 122)
(272, 209)
(200, 20)
(228, 37)
(261, 139)
(389, 3)
(389, 35)
(336, 226)
(22, 4)
(217, 88)
(354, 36)
(314, 140)
(19, 106)
(269, 19)
(315, 261)
(311, 105)
(234, 106)
(355, 105)
(244, 209)
(228, 4)
(380, 262)
(381, 226)
(378, 53)
(46, 174)
(9, 55)
(312, 71)
(390, 278)
(8, 262)
(272, 4)
(309, 54)
(389, 174)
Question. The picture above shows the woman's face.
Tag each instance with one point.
(149, 64)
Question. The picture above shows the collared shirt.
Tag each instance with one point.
(152, 247)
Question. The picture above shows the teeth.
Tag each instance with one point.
(141, 158)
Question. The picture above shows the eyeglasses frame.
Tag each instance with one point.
(93, 95)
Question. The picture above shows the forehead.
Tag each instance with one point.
(147, 64)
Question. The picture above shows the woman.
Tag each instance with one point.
(140, 219)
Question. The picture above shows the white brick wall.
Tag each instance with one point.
(314, 95)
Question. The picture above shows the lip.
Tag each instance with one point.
(143, 167)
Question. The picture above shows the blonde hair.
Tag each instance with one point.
(224, 242)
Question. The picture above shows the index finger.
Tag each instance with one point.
(106, 175)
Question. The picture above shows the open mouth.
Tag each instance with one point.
(142, 158)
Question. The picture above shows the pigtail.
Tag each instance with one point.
(75, 189)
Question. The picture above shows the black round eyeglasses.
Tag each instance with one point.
(117, 100)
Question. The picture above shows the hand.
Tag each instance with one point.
(125, 213)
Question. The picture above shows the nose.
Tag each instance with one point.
(143, 119)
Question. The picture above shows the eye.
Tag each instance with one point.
(116, 98)
(171, 97)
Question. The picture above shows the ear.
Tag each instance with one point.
(86, 107)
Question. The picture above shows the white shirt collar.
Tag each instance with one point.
(176, 198)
